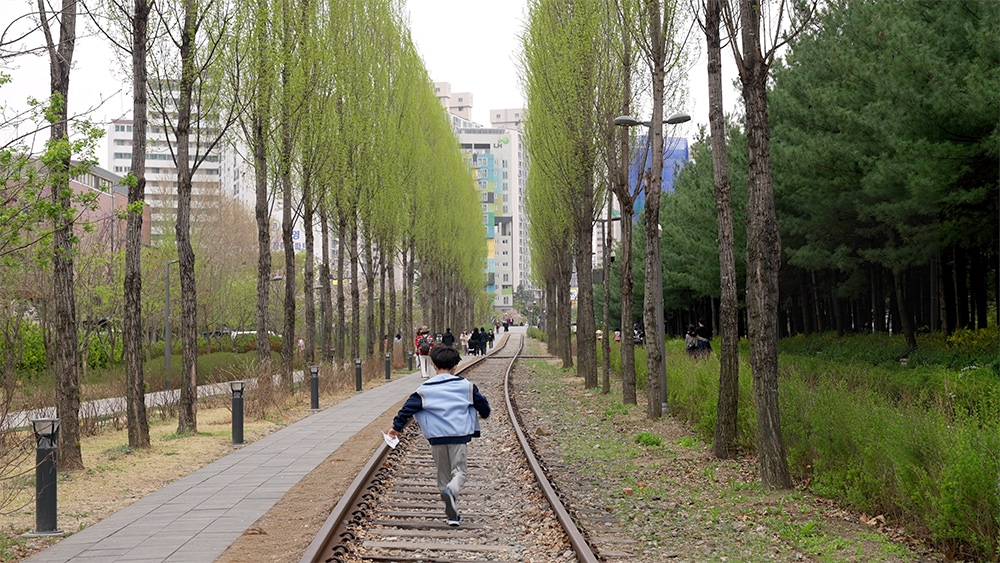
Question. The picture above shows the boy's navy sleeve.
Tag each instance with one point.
(480, 403)
(410, 407)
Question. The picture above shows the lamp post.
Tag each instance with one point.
(357, 374)
(166, 332)
(237, 388)
(657, 174)
(388, 366)
(314, 387)
(46, 474)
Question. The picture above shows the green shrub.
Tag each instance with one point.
(32, 359)
(537, 334)
(648, 439)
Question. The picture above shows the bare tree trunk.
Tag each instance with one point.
(763, 257)
(309, 269)
(608, 339)
(369, 271)
(905, 316)
(263, 216)
(64, 299)
(188, 409)
(340, 333)
(551, 322)
(724, 444)
(287, 226)
(384, 338)
(326, 305)
(355, 294)
(393, 327)
(628, 345)
(135, 389)
(586, 338)
(408, 323)
(565, 312)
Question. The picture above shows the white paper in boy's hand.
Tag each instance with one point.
(390, 441)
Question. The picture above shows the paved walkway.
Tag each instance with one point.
(195, 519)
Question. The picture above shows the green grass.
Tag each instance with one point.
(648, 439)
(915, 441)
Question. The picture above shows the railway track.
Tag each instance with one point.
(393, 512)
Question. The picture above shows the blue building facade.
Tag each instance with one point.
(675, 155)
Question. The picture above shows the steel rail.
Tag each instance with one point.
(334, 530)
(328, 544)
(580, 546)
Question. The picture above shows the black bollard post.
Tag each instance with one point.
(409, 361)
(46, 475)
(314, 387)
(237, 387)
(388, 367)
(357, 374)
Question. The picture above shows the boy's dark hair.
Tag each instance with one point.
(445, 357)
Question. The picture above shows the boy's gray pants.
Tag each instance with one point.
(451, 463)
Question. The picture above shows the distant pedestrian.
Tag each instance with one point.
(483, 340)
(423, 344)
(445, 407)
(448, 339)
(489, 339)
(474, 341)
(691, 341)
(704, 339)
(463, 340)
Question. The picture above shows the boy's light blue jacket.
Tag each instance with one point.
(445, 406)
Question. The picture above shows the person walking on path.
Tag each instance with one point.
(463, 339)
(445, 407)
(448, 339)
(483, 339)
(474, 341)
(423, 344)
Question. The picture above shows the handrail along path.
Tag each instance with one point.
(392, 511)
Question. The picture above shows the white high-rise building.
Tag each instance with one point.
(497, 157)
(161, 175)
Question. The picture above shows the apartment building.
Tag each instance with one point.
(161, 175)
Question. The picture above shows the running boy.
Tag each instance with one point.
(445, 406)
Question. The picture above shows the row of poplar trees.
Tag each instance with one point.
(585, 62)
(331, 105)
(885, 176)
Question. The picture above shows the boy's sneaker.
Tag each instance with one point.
(450, 507)
(454, 522)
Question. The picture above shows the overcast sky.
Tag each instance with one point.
(473, 44)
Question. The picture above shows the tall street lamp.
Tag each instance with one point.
(166, 332)
(657, 173)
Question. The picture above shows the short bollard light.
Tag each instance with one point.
(388, 367)
(46, 473)
(357, 374)
(237, 387)
(314, 387)
(409, 361)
